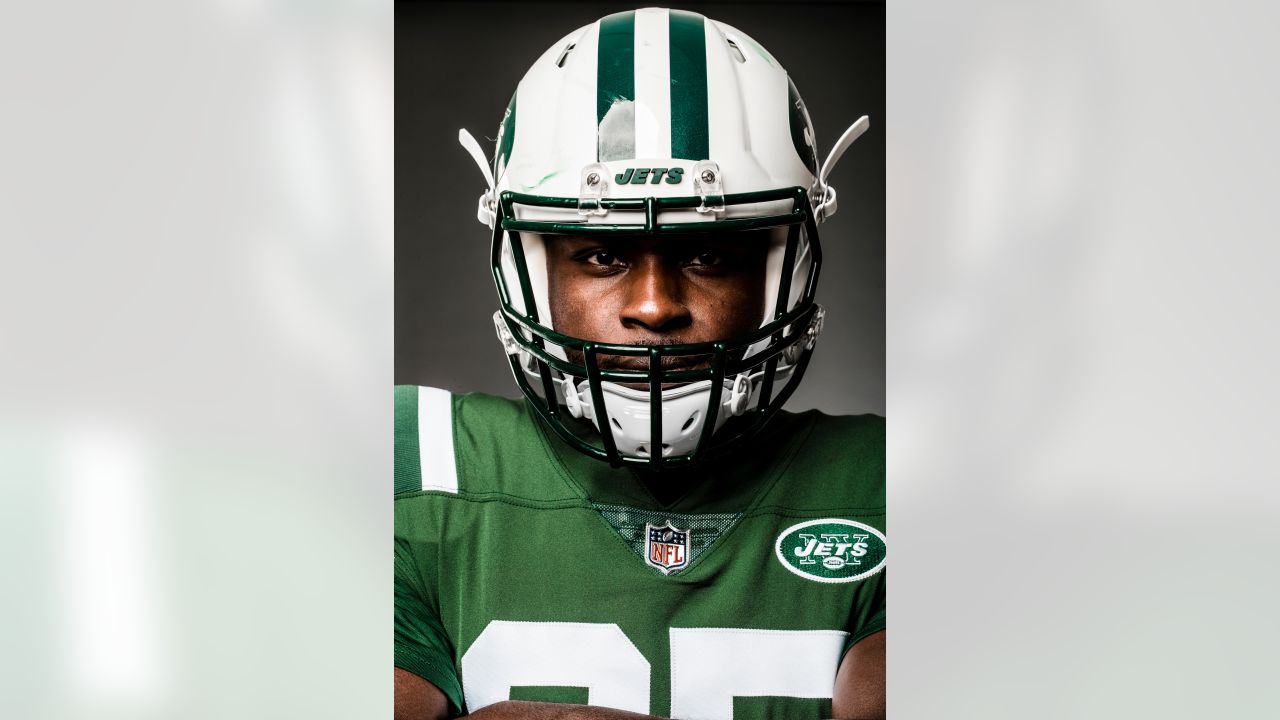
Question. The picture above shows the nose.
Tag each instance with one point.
(653, 298)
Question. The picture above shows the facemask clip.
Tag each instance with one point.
(509, 343)
(573, 401)
(826, 204)
(708, 184)
(807, 341)
(592, 189)
(485, 209)
(739, 395)
(815, 328)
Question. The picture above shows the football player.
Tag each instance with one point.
(646, 533)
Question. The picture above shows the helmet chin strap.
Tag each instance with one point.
(485, 208)
(826, 206)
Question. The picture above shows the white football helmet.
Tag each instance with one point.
(657, 121)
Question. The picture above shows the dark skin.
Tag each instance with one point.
(656, 290)
(663, 290)
(652, 290)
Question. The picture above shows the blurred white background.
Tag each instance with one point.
(1081, 355)
(196, 349)
(195, 323)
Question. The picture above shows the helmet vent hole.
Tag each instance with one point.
(643, 450)
(565, 55)
(737, 51)
(616, 424)
(689, 423)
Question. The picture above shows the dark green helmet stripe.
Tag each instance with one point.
(688, 86)
(615, 82)
(506, 138)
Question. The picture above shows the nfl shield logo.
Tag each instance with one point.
(666, 547)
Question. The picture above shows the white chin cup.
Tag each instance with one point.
(684, 411)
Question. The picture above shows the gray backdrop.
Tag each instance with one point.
(456, 66)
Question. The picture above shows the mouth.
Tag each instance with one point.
(631, 363)
(666, 365)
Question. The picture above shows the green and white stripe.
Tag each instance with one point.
(651, 85)
(646, 87)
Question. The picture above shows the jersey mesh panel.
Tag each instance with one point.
(704, 529)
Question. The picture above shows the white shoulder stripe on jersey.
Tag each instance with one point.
(435, 440)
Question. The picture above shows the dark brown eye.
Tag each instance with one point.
(601, 257)
(707, 259)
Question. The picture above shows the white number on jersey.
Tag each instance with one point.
(709, 666)
(597, 656)
(712, 666)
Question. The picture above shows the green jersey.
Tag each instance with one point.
(525, 570)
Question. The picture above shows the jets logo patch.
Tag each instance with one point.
(831, 550)
(666, 547)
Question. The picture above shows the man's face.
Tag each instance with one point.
(657, 290)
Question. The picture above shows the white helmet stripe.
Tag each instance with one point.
(653, 84)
